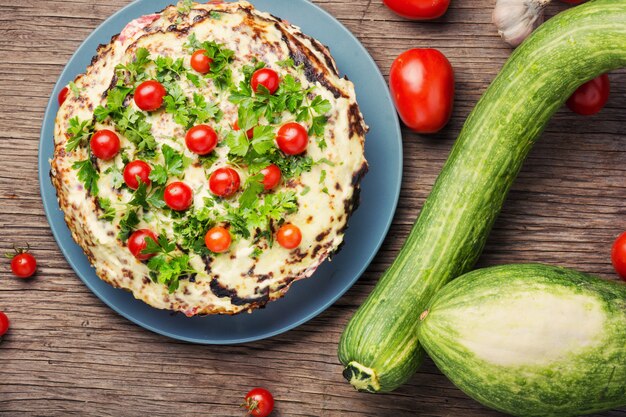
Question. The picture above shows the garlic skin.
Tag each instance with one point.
(516, 19)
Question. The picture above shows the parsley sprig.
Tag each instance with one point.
(79, 133)
(168, 266)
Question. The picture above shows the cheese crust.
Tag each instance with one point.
(253, 271)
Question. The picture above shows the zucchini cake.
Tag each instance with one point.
(209, 157)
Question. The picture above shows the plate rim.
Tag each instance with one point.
(43, 175)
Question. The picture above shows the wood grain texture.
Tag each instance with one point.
(69, 354)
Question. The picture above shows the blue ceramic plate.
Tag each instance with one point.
(367, 227)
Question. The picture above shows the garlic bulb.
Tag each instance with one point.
(516, 19)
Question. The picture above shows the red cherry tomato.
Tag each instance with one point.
(105, 144)
(271, 176)
(217, 239)
(618, 255)
(137, 243)
(4, 324)
(201, 139)
(422, 87)
(65, 91)
(249, 132)
(149, 95)
(590, 97)
(259, 402)
(23, 264)
(292, 138)
(224, 182)
(136, 169)
(418, 9)
(289, 236)
(200, 62)
(178, 196)
(266, 77)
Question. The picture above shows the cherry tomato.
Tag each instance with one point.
(137, 243)
(418, 9)
(422, 87)
(259, 402)
(292, 138)
(200, 62)
(224, 182)
(271, 176)
(618, 255)
(136, 171)
(266, 77)
(105, 144)
(201, 139)
(178, 196)
(65, 91)
(590, 97)
(23, 263)
(289, 236)
(4, 324)
(149, 95)
(249, 132)
(217, 239)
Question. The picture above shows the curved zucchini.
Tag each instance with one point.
(380, 348)
(531, 340)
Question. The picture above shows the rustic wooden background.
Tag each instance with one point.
(69, 354)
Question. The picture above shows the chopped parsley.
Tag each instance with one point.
(191, 230)
(221, 58)
(128, 222)
(109, 211)
(78, 132)
(167, 268)
(174, 165)
(184, 6)
(88, 175)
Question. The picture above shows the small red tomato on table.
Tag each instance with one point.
(259, 402)
(23, 263)
(418, 9)
(4, 324)
(590, 97)
(422, 87)
(618, 255)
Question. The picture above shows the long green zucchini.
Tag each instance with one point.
(380, 348)
(531, 340)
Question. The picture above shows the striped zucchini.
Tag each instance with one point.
(531, 340)
(380, 348)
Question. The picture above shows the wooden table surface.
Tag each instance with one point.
(69, 354)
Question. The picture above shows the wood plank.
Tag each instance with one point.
(69, 354)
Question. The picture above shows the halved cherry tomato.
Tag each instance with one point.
(105, 144)
(201, 139)
(217, 239)
(65, 91)
(200, 62)
(249, 132)
(259, 402)
(618, 255)
(266, 77)
(590, 97)
(224, 182)
(271, 176)
(418, 9)
(149, 95)
(289, 236)
(4, 324)
(422, 87)
(136, 169)
(178, 196)
(137, 243)
(292, 138)
(23, 263)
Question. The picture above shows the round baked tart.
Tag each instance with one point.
(209, 157)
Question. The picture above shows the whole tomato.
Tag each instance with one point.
(422, 87)
(618, 255)
(590, 97)
(418, 9)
